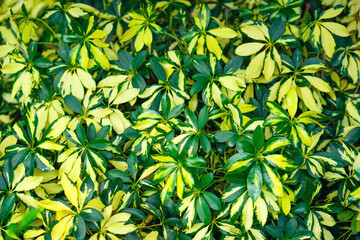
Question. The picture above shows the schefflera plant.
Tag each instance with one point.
(179, 120)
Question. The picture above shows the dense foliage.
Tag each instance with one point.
(179, 119)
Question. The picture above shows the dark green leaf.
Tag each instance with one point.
(64, 52)
(205, 143)
(290, 228)
(206, 180)
(138, 60)
(99, 144)
(212, 200)
(277, 29)
(32, 50)
(91, 215)
(203, 210)
(233, 65)
(7, 207)
(42, 62)
(223, 136)
(203, 117)
(79, 227)
(158, 70)
(136, 214)
(254, 182)
(258, 138)
(132, 164)
(275, 232)
(201, 67)
(73, 104)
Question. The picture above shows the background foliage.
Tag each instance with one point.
(179, 119)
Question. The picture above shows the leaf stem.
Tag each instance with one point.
(52, 31)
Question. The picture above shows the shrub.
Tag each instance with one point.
(179, 120)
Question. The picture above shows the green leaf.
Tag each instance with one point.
(99, 144)
(254, 182)
(165, 104)
(290, 228)
(198, 85)
(275, 143)
(203, 210)
(195, 161)
(132, 164)
(87, 191)
(206, 180)
(138, 60)
(126, 60)
(277, 29)
(158, 70)
(223, 136)
(80, 133)
(205, 143)
(276, 109)
(258, 138)
(275, 232)
(212, 200)
(7, 207)
(73, 104)
(201, 67)
(103, 132)
(64, 52)
(203, 117)
(42, 62)
(191, 118)
(79, 227)
(32, 50)
(239, 162)
(233, 65)
(91, 215)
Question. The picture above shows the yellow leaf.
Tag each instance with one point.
(148, 37)
(12, 68)
(230, 82)
(213, 46)
(308, 98)
(139, 42)
(84, 57)
(152, 235)
(304, 135)
(253, 32)
(69, 190)
(292, 102)
(318, 83)
(255, 66)
(216, 95)
(336, 28)
(86, 79)
(97, 34)
(261, 210)
(332, 12)
(8, 141)
(248, 49)
(100, 57)
(62, 228)
(126, 96)
(49, 145)
(328, 42)
(223, 32)
(353, 111)
(55, 206)
(247, 215)
(269, 67)
(28, 183)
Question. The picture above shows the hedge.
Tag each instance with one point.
(179, 119)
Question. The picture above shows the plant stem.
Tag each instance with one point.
(52, 31)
